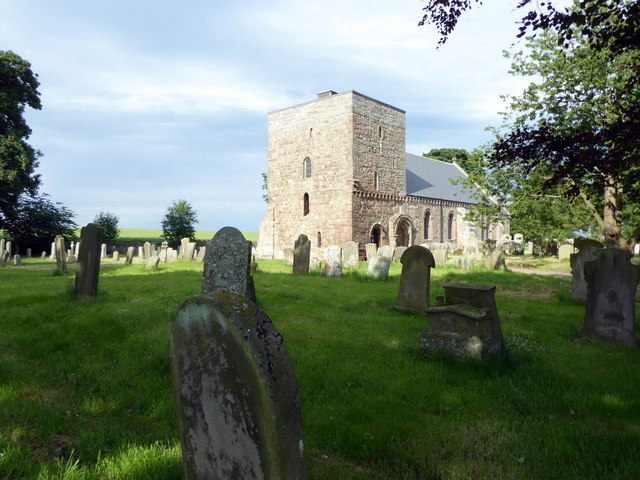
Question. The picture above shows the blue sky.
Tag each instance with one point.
(146, 102)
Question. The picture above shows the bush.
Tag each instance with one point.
(109, 223)
(179, 221)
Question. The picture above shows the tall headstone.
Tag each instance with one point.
(129, 258)
(371, 249)
(8, 247)
(163, 252)
(183, 248)
(53, 251)
(301, 255)
(61, 260)
(611, 288)
(528, 249)
(88, 269)
(350, 255)
(28, 253)
(565, 251)
(333, 261)
(76, 250)
(415, 280)
(4, 258)
(201, 253)
(103, 251)
(227, 264)
(235, 390)
(146, 251)
(140, 252)
(587, 249)
(3, 244)
(189, 251)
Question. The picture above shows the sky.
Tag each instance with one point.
(148, 102)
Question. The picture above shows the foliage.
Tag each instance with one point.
(109, 223)
(18, 159)
(450, 155)
(35, 221)
(178, 222)
(265, 187)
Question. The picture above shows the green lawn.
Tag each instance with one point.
(85, 389)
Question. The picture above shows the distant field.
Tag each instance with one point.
(150, 234)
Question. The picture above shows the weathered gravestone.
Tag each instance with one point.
(301, 255)
(76, 249)
(172, 255)
(464, 263)
(140, 252)
(528, 249)
(163, 252)
(146, 248)
(288, 255)
(88, 269)
(201, 253)
(379, 267)
(440, 252)
(611, 287)
(43, 255)
(29, 253)
(189, 251)
(61, 260)
(17, 260)
(235, 390)
(3, 244)
(398, 252)
(467, 324)
(565, 251)
(415, 280)
(116, 256)
(494, 260)
(129, 258)
(4, 258)
(8, 247)
(314, 263)
(227, 264)
(350, 255)
(371, 249)
(183, 247)
(103, 251)
(152, 262)
(53, 251)
(333, 261)
(385, 251)
(587, 249)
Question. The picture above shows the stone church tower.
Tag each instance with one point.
(337, 171)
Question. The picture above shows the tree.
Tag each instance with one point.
(450, 155)
(18, 159)
(35, 221)
(178, 222)
(109, 223)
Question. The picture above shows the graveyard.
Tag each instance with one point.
(87, 387)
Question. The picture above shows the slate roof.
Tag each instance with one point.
(427, 177)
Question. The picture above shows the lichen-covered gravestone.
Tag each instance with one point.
(494, 260)
(301, 255)
(415, 279)
(88, 269)
(61, 257)
(236, 393)
(611, 287)
(152, 262)
(227, 264)
(440, 252)
(398, 252)
(146, 248)
(190, 250)
(385, 251)
(586, 253)
(379, 267)
(565, 251)
(350, 255)
(333, 261)
(371, 249)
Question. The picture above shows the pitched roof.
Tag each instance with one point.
(427, 177)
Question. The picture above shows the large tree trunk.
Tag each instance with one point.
(612, 215)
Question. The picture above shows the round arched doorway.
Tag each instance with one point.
(402, 233)
(376, 234)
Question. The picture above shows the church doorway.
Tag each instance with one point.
(402, 233)
(375, 235)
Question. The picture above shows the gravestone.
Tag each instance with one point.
(518, 238)
(53, 251)
(415, 280)
(163, 252)
(129, 258)
(350, 255)
(28, 253)
(68, 254)
(8, 247)
(76, 249)
(103, 251)
(43, 255)
(379, 267)
(189, 251)
(494, 260)
(116, 256)
(183, 248)
(464, 263)
(201, 253)
(152, 262)
(467, 324)
(4, 258)
(154, 250)
(611, 288)
(385, 251)
(398, 252)
(17, 260)
(61, 261)
(528, 249)
(440, 253)
(146, 251)
(235, 389)
(227, 264)
(140, 252)
(333, 261)
(301, 255)
(72, 247)
(172, 255)
(587, 249)
(371, 249)
(3, 244)
(88, 269)
(565, 251)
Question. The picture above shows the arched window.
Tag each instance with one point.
(376, 179)
(319, 239)
(307, 168)
(306, 203)
(450, 226)
(427, 224)
(310, 132)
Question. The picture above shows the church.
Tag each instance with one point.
(338, 171)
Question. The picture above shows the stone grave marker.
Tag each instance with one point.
(371, 249)
(163, 252)
(333, 261)
(288, 255)
(8, 247)
(494, 260)
(227, 264)
(201, 253)
(146, 251)
(611, 288)
(440, 252)
(140, 252)
(235, 389)
(350, 255)
(464, 263)
(152, 262)
(53, 251)
(314, 263)
(4, 258)
(398, 252)
(88, 269)
(103, 251)
(565, 251)
(3, 244)
(301, 255)
(61, 261)
(518, 238)
(385, 251)
(28, 253)
(172, 255)
(17, 260)
(183, 247)
(76, 249)
(128, 260)
(587, 249)
(528, 249)
(43, 255)
(415, 280)
(379, 267)
(189, 251)
(116, 256)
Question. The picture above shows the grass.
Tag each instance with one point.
(155, 235)
(85, 389)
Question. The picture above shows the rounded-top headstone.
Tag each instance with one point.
(227, 263)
